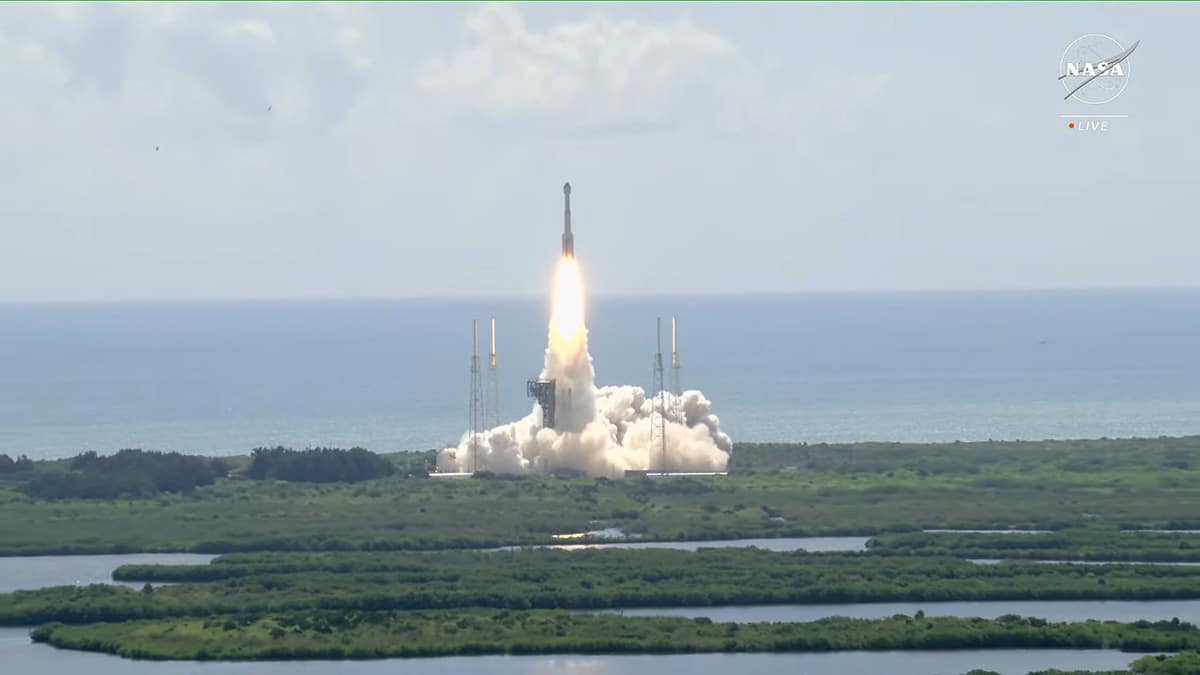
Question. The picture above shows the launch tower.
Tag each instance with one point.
(476, 405)
(543, 392)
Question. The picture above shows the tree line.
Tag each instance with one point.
(1082, 544)
(342, 635)
(136, 473)
(128, 473)
(318, 465)
(10, 466)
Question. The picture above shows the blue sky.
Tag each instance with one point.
(419, 150)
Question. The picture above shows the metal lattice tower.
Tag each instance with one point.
(493, 383)
(676, 380)
(659, 435)
(476, 396)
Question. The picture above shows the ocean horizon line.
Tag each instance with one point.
(594, 295)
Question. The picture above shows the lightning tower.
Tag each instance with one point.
(676, 382)
(476, 405)
(659, 386)
(493, 383)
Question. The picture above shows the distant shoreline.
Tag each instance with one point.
(539, 296)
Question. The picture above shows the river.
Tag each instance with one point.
(811, 544)
(18, 653)
(28, 573)
(1052, 610)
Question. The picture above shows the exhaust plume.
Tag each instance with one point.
(601, 431)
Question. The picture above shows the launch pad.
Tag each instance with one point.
(572, 446)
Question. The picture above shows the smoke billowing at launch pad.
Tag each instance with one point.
(577, 426)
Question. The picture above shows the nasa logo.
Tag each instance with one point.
(1101, 68)
(1095, 69)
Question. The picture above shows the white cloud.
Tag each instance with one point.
(249, 29)
(149, 123)
(25, 56)
(349, 30)
(325, 67)
(606, 73)
(599, 68)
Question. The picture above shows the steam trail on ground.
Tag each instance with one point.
(601, 431)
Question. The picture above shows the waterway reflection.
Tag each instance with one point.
(1052, 610)
(28, 573)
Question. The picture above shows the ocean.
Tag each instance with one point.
(389, 375)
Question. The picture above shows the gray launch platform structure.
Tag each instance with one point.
(543, 392)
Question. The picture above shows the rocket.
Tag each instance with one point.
(568, 238)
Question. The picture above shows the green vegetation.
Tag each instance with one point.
(1183, 663)
(318, 465)
(1101, 456)
(338, 635)
(129, 473)
(777, 490)
(19, 467)
(591, 579)
(1082, 544)
(348, 554)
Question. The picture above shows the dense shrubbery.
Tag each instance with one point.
(375, 602)
(1137, 484)
(10, 466)
(129, 473)
(318, 465)
(1080, 544)
(970, 459)
(340, 635)
(1183, 663)
(591, 579)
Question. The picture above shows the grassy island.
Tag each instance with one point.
(252, 584)
(360, 635)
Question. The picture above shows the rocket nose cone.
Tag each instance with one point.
(566, 188)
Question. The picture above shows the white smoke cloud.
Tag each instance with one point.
(601, 431)
(619, 437)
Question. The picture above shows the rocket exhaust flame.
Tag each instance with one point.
(601, 431)
(566, 314)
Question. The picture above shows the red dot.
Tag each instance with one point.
(1071, 125)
